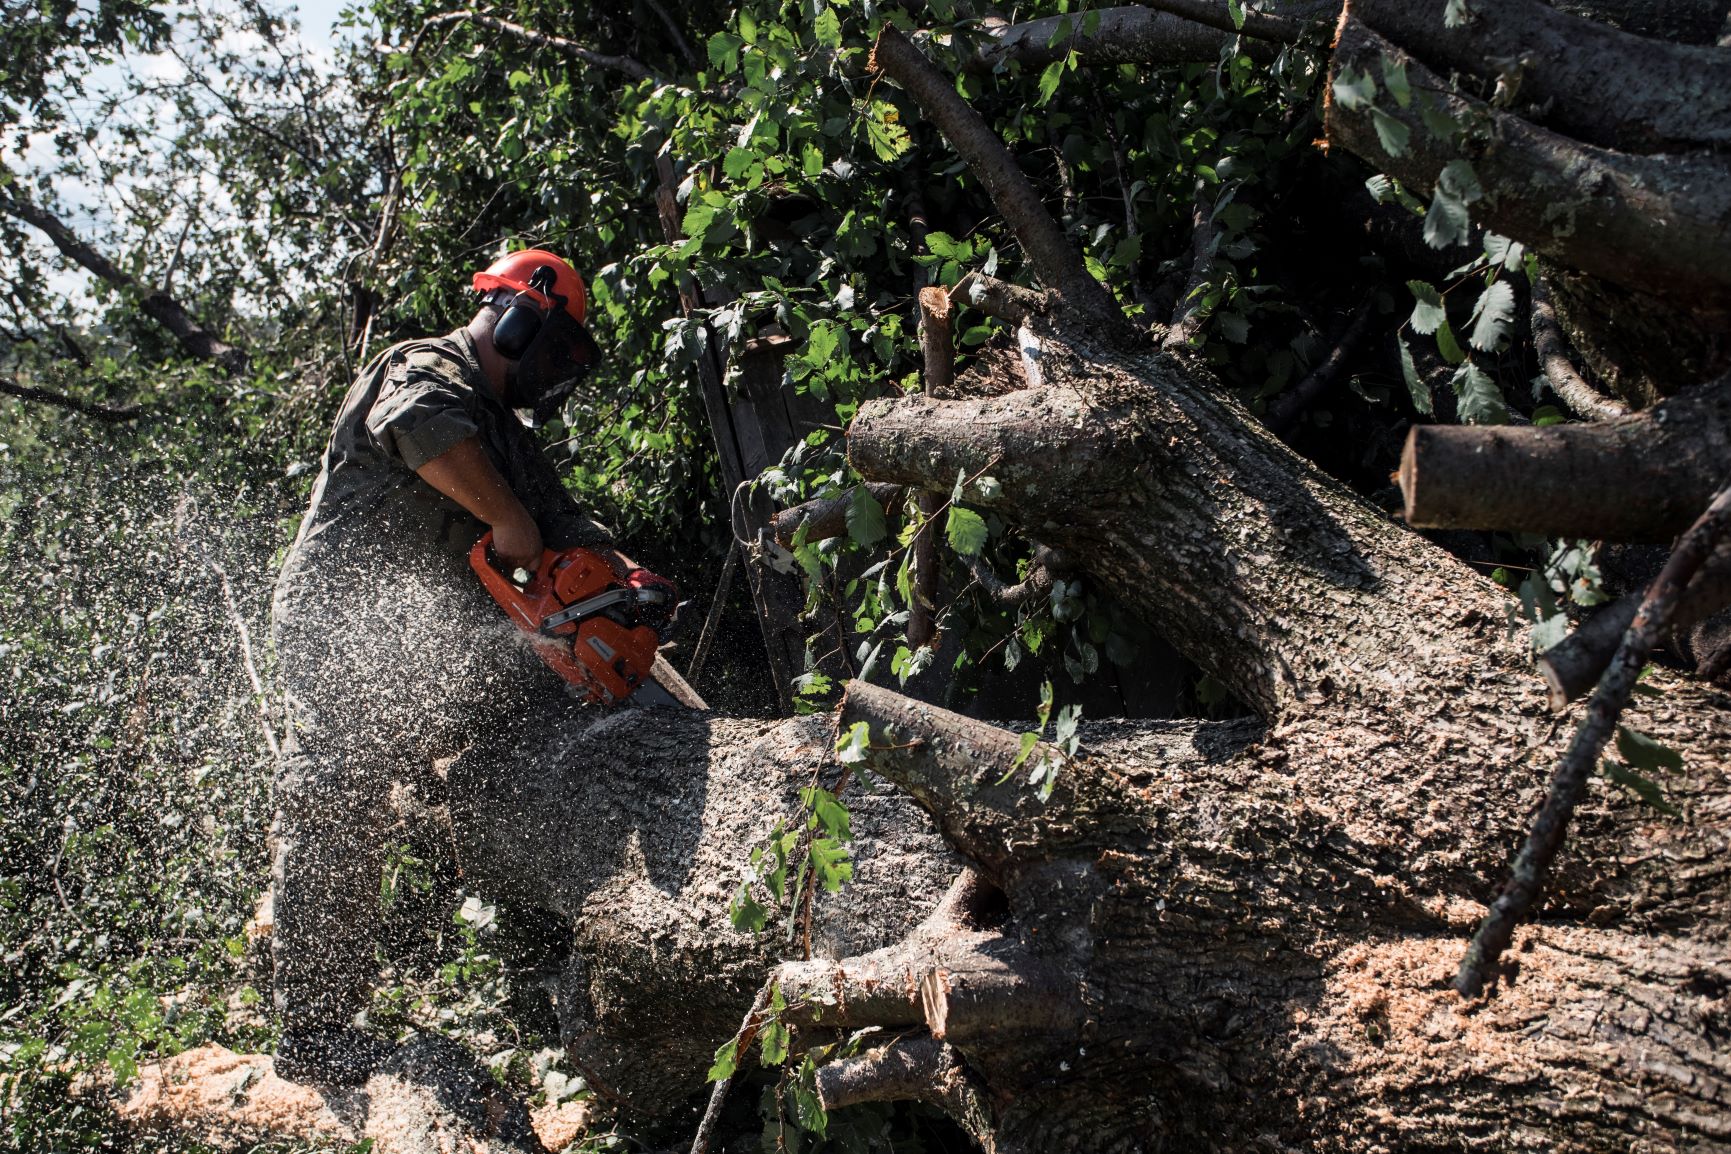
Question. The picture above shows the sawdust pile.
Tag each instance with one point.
(228, 1101)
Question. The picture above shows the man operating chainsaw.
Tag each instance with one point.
(392, 651)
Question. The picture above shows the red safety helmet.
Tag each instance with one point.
(512, 272)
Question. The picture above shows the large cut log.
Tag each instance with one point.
(1595, 83)
(1642, 478)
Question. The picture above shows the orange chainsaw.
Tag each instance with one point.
(598, 631)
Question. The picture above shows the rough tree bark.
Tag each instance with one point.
(1211, 935)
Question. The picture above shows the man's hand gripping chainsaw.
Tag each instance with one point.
(598, 631)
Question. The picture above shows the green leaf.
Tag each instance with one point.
(1500, 250)
(1421, 398)
(1448, 222)
(738, 162)
(1390, 133)
(827, 28)
(1049, 78)
(1438, 120)
(1235, 9)
(775, 1042)
(1029, 741)
(1447, 345)
(1641, 786)
(1643, 752)
(1353, 90)
(1481, 402)
(865, 518)
(744, 911)
(1494, 314)
(1428, 314)
(830, 861)
(726, 1061)
(852, 747)
(1394, 79)
(966, 531)
(829, 814)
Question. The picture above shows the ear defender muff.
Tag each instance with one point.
(524, 316)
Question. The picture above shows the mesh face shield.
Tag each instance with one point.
(555, 362)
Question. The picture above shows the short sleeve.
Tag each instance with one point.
(419, 415)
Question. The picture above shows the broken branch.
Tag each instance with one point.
(153, 303)
(1577, 764)
(113, 416)
(1055, 259)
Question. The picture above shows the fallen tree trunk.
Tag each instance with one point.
(1211, 934)
(1203, 935)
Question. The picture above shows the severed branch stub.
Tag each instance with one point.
(1636, 478)
(1577, 763)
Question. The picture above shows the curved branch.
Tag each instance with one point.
(1582, 398)
(154, 303)
(1655, 223)
(1635, 478)
(911, 1069)
(1594, 82)
(1055, 259)
(113, 416)
(621, 64)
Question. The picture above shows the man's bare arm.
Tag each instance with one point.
(466, 475)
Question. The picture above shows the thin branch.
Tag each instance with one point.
(1057, 261)
(1582, 398)
(106, 413)
(1287, 407)
(1527, 877)
(1215, 14)
(742, 1039)
(712, 620)
(154, 303)
(673, 30)
(621, 64)
(260, 697)
(1187, 315)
